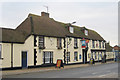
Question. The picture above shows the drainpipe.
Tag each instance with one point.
(32, 25)
(11, 55)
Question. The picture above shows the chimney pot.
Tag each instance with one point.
(45, 14)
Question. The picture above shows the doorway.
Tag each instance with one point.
(24, 59)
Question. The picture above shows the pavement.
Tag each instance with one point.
(45, 69)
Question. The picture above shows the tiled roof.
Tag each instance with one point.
(10, 35)
(108, 47)
(45, 26)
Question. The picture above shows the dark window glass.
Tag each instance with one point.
(93, 44)
(99, 44)
(75, 43)
(76, 56)
(48, 57)
(59, 43)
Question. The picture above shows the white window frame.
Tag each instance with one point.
(49, 56)
(103, 45)
(99, 44)
(75, 42)
(41, 42)
(59, 43)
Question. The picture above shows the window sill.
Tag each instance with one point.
(75, 60)
(75, 47)
(41, 47)
(1, 58)
(59, 48)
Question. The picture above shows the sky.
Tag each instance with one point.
(101, 16)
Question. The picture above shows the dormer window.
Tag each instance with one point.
(86, 32)
(71, 29)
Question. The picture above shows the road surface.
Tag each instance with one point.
(109, 70)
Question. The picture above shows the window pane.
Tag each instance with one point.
(41, 41)
(59, 42)
(48, 57)
(75, 56)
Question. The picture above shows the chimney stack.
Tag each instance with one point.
(45, 14)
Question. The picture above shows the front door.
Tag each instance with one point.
(84, 56)
(24, 59)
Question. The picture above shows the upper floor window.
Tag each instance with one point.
(99, 44)
(103, 45)
(59, 43)
(95, 55)
(93, 44)
(96, 44)
(41, 42)
(75, 43)
(76, 56)
(68, 56)
(71, 29)
(86, 32)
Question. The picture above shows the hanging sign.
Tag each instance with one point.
(83, 44)
(87, 41)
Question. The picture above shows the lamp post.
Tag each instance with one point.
(68, 42)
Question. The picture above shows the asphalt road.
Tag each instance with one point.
(109, 70)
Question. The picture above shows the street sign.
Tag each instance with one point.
(59, 63)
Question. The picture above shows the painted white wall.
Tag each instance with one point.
(6, 55)
(17, 51)
(50, 45)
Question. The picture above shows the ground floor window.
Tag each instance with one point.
(47, 57)
(68, 56)
(95, 55)
(98, 55)
(92, 55)
(101, 55)
(76, 56)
